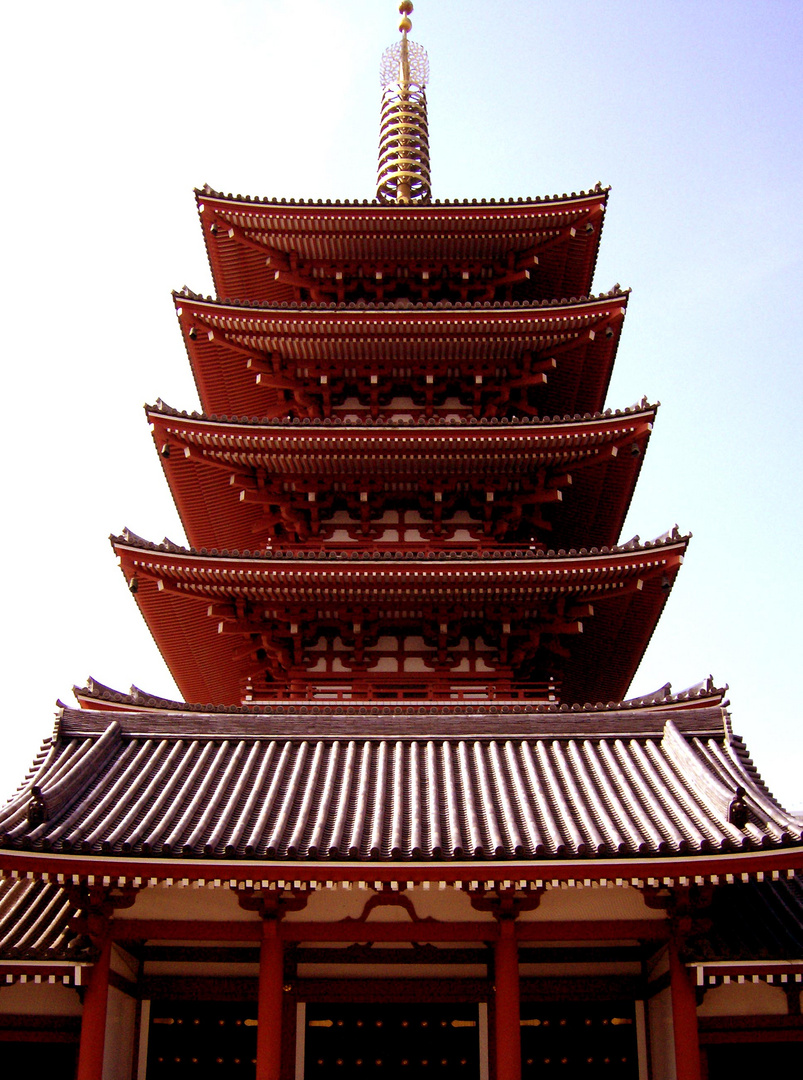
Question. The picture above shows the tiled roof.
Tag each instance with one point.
(565, 307)
(34, 922)
(208, 191)
(635, 546)
(384, 787)
(357, 424)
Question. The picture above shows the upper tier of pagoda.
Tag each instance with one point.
(240, 628)
(393, 393)
(271, 251)
(402, 362)
(549, 484)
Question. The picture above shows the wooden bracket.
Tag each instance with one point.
(505, 904)
(270, 904)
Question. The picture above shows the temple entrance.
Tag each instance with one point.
(392, 1041)
(202, 1039)
(579, 1040)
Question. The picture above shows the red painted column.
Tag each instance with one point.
(93, 1020)
(684, 1019)
(271, 980)
(507, 1022)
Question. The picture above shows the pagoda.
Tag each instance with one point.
(405, 789)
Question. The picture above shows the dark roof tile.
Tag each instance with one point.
(384, 787)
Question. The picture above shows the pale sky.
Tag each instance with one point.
(691, 111)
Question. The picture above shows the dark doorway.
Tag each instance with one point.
(55, 1059)
(392, 1042)
(202, 1039)
(597, 1039)
(755, 1059)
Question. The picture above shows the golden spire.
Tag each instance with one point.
(403, 175)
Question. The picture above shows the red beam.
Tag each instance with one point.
(197, 930)
(602, 930)
(389, 931)
(179, 929)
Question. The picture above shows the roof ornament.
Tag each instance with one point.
(403, 176)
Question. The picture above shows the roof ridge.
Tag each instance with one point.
(644, 406)
(701, 691)
(617, 292)
(635, 544)
(510, 201)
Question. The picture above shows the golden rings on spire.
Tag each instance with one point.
(403, 172)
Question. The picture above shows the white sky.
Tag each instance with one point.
(691, 111)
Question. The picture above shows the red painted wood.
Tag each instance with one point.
(209, 671)
(506, 1013)
(684, 1015)
(747, 1028)
(271, 978)
(246, 259)
(587, 930)
(189, 929)
(387, 931)
(83, 867)
(93, 1021)
(197, 930)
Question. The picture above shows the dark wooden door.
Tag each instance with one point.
(202, 1039)
(391, 1042)
(576, 1041)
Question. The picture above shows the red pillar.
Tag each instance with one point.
(684, 1019)
(507, 1022)
(93, 1020)
(271, 979)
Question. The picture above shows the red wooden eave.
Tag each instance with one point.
(122, 871)
(233, 348)
(176, 590)
(255, 247)
(209, 465)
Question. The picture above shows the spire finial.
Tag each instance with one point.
(405, 10)
(403, 175)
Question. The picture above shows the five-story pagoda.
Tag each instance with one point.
(403, 788)
(403, 485)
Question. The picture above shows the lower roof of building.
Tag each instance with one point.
(390, 788)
